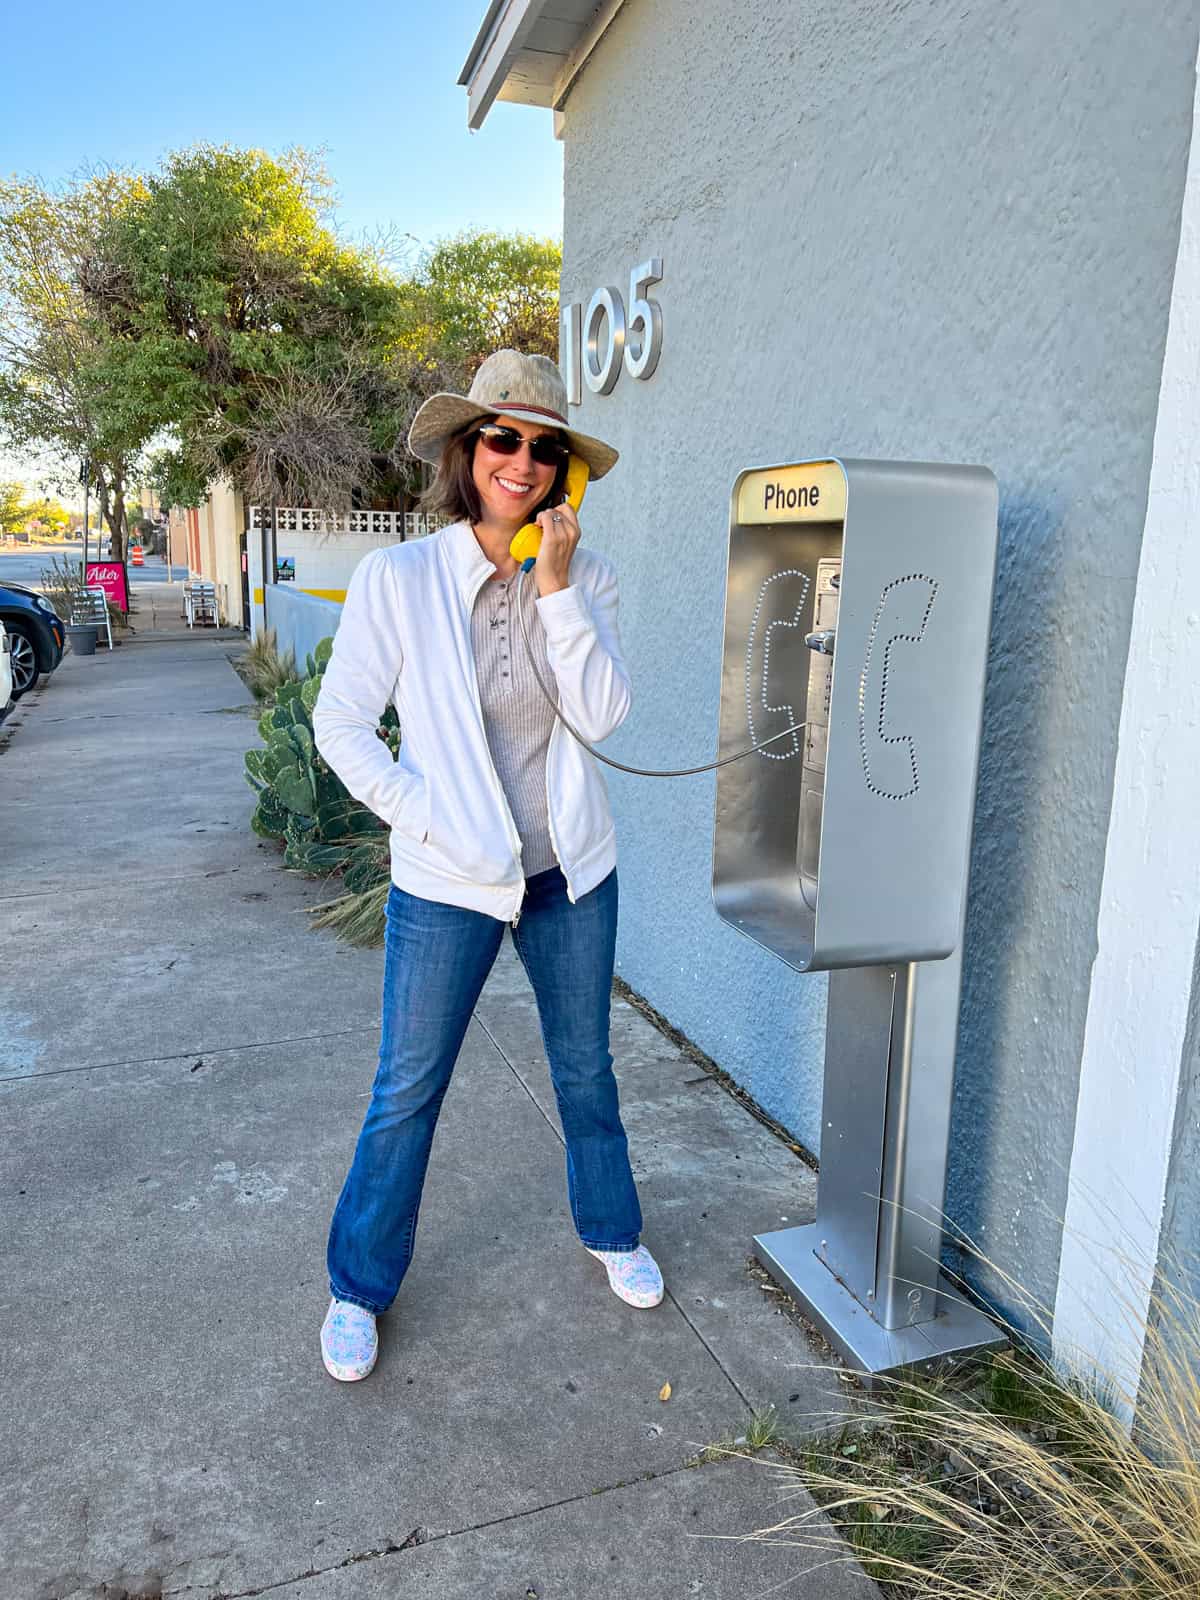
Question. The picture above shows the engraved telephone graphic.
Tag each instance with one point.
(858, 597)
(528, 540)
(890, 759)
(776, 632)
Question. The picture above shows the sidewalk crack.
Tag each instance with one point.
(420, 1538)
(136, 883)
(184, 1055)
(667, 1294)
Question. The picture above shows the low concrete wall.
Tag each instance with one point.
(300, 620)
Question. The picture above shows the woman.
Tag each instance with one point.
(497, 817)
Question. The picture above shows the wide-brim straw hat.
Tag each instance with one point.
(508, 384)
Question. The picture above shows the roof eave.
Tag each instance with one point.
(505, 28)
(508, 28)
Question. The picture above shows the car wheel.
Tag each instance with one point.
(24, 659)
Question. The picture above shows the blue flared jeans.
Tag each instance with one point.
(437, 960)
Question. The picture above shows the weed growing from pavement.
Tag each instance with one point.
(760, 1433)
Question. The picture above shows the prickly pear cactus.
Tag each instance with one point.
(270, 816)
(300, 799)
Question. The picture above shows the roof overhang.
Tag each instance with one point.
(531, 52)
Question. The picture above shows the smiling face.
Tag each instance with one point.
(510, 487)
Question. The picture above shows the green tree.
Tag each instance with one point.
(205, 322)
(480, 292)
(53, 392)
(48, 514)
(13, 512)
(244, 330)
(470, 295)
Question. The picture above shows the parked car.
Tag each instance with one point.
(6, 683)
(35, 633)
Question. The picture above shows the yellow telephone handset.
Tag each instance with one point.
(528, 541)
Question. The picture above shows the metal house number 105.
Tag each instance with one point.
(592, 342)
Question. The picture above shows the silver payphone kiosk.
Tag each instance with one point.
(858, 602)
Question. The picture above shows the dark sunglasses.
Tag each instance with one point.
(545, 449)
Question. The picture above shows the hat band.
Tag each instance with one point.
(542, 411)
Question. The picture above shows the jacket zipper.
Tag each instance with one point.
(554, 733)
(549, 808)
(513, 836)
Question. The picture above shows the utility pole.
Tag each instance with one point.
(85, 474)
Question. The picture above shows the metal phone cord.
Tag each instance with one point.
(640, 772)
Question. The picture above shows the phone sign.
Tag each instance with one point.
(812, 492)
(109, 576)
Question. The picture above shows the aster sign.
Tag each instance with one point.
(111, 577)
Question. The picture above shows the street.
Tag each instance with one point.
(25, 566)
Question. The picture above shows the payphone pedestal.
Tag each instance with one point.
(857, 610)
(868, 1271)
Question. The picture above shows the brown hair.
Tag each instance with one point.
(453, 494)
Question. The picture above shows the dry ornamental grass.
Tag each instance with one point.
(360, 919)
(263, 668)
(1009, 1481)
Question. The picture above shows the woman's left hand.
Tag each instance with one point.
(560, 535)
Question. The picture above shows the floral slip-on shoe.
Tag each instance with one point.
(349, 1342)
(632, 1274)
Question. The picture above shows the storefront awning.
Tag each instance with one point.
(531, 51)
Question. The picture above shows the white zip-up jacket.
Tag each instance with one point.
(405, 638)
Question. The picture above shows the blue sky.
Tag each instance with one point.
(372, 85)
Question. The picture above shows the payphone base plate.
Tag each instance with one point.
(868, 1348)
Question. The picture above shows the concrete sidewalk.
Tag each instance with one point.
(184, 1065)
(159, 613)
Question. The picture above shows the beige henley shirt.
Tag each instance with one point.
(517, 718)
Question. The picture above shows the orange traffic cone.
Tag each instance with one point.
(136, 558)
